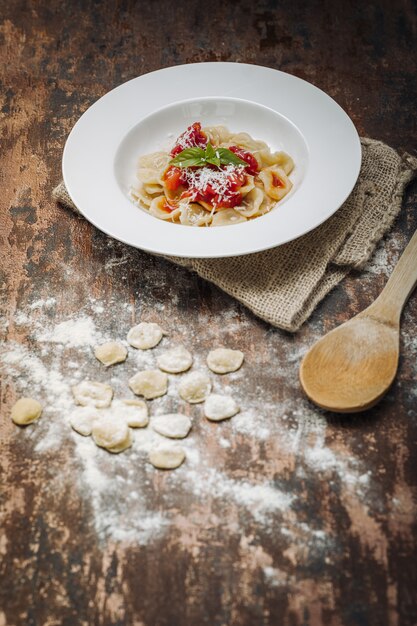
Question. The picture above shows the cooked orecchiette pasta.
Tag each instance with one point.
(226, 217)
(152, 190)
(149, 176)
(194, 214)
(276, 182)
(217, 134)
(156, 160)
(212, 177)
(159, 208)
(251, 203)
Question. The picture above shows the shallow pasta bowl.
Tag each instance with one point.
(147, 113)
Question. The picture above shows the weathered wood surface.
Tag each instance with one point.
(306, 518)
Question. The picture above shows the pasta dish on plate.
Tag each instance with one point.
(212, 177)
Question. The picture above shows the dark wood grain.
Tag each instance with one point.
(217, 565)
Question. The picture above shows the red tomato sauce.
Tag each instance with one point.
(218, 194)
(193, 136)
(230, 196)
(173, 178)
(247, 156)
(276, 181)
(168, 208)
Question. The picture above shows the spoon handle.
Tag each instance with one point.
(390, 302)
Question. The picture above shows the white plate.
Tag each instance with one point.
(136, 118)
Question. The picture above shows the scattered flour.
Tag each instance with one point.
(97, 308)
(125, 520)
(74, 332)
(120, 488)
(47, 303)
(247, 423)
(275, 577)
(385, 256)
(21, 318)
(259, 500)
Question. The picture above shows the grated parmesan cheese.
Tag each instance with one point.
(186, 139)
(218, 179)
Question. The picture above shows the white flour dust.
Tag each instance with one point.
(47, 303)
(260, 500)
(120, 488)
(385, 256)
(73, 333)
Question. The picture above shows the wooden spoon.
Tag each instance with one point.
(353, 366)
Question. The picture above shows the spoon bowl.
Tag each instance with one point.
(353, 366)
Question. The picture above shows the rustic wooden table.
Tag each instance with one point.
(283, 516)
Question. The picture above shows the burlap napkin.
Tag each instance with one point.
(284, 285)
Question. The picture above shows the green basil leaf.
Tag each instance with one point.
(212, 156)
(213, 161)
(194, 151)
(227, 157)
(210, 152)
(197, 157)
(189, 163)
(182, 159)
